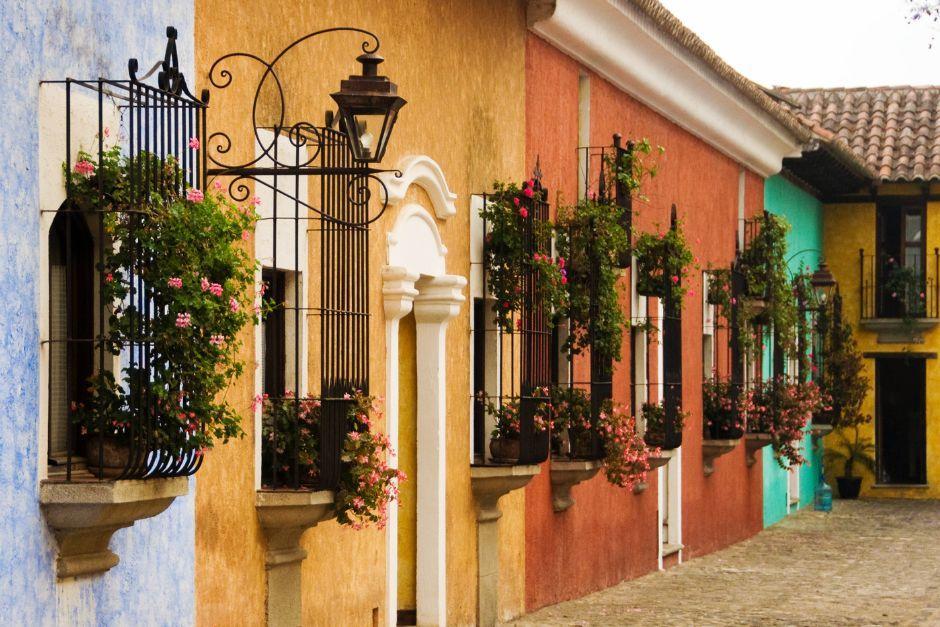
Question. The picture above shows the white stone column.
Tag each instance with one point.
(438, 301)
(398, 295)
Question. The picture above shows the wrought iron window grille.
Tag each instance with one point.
(155, 124)
(323, 235)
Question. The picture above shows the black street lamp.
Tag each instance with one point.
(368, 105)
(823, 283)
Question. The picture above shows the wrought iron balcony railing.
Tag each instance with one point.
(890, 289)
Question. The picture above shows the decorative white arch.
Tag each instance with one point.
(415, 279)
(424, 172)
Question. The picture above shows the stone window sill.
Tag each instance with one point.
(712, 450)
(83, 515)
(565, 474)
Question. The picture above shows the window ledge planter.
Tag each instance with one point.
(284, 517)
(753, 307)
(899, 330)
(84, 515)
(565, 474)
(713, 449)
(820, 430)
(754, 442)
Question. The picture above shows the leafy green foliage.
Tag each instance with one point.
(185, 253)
(591, 239)
(842, 375)
(513, 235)
(851, 451)
(661, 258)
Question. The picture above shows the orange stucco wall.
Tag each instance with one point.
(461, 68)
(610, 534)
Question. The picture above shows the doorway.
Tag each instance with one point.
(901, 420)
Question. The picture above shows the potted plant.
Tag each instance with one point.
(854, 450)
(571, 422)
(842, 376)
(512, 250)
(504, 439)
(199, 295)
(627, 455)
(724, 409)
(654, 416)
(781, 409)
(591, 240)
(367, 486)
(902, 291)
(660, 257)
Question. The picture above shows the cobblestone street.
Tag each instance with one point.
(866, 563)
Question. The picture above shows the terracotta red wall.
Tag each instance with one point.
(610, 534)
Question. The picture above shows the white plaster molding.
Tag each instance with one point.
(622, 44)
(423, 171)
(415, 243)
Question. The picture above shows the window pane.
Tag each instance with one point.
(912, 227)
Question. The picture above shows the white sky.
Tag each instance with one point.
(817, 43)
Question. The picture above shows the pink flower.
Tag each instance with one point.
(194, 143)
(245, 235)
(354, 436)
(183, 320)
(528, 193)
(675, 279)
(109, 278)
(346, 396)
(217, 340)
(217, 185)
(255, 200)
(561, 262)
(524, 212)
(175, 282)
(194, 195)
(564, 280)
(85, 168)
(204, 284)
(233, 304)
(215, 289)
(515, 201)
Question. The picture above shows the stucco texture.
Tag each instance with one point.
(610, 534)
(804, 213)
(47, 40)
(460, 67)
(849, 227)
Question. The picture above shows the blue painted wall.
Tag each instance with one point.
(153, 584)
(804, 213)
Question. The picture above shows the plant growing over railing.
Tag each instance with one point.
(724, 407)
(592, 240)
(902, 286)
(512, 253)
(663, 257)
(571, 415)
(782, 409)
(290, 431)
(627, 454)
(174, 264)
(504, 438)
(633, 167)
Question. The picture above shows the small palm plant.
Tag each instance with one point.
(858, 450)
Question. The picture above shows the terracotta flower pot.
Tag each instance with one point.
(505, 450)
(106, 456)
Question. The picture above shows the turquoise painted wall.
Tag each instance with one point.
(804, 213)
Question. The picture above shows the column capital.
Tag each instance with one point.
(439, 298)
(398, 291)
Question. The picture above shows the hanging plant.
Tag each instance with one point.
(767, 279)
(663, 255)
(719, 291)
(627, 455)
(654, 415)
(198, 278)
(782, 410)
(512, 246)
(634, 166)
(724, 417)
(592, 240)
(367, 485)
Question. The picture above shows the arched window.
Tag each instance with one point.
(71, 327)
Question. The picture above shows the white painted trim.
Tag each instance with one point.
(52, 193)
(624, 46)
(423, 171)
(416, 280)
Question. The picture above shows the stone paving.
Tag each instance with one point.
(866, 563)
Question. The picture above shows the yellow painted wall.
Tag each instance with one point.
(461, 68)
(407, 461)
(847, 228)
